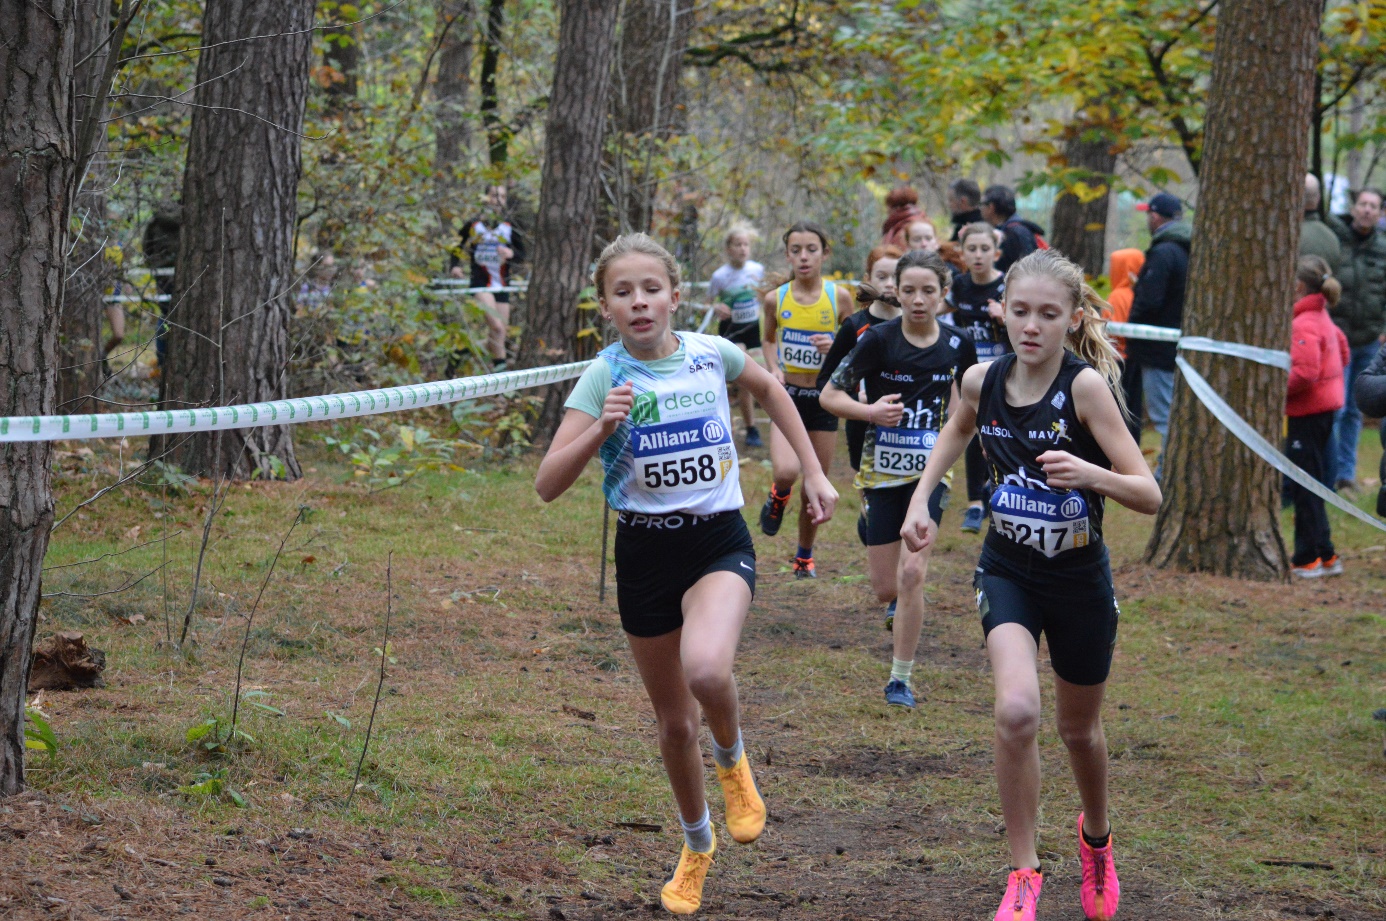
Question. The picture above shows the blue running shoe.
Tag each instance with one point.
(898, 694)
(753, 438)
(972, 519)
(890, 617)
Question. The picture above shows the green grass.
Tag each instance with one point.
(1238, 718)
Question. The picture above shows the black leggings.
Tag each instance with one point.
(1307, 445)
(976, 466)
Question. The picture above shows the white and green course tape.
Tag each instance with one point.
(281, 412)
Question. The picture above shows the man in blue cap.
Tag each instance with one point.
(1159, 301)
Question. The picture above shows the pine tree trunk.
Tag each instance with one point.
(36, 179)
(647, 106)
(452, 89)
(1080, 228)
(568, 196)
(1221, 512)
(497, 134)
(79, 324)
(236, 261)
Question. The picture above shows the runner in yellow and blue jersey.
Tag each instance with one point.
(800, 319)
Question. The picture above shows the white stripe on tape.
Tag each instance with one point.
(1272, 357)
(1142, 331)
(1262, 448)
(281, 412)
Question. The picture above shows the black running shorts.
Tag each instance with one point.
(816, 418)
(1076, 610)
(660, 557)
(883, 511)
(747, 334)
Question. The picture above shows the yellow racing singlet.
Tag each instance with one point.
(798, 322)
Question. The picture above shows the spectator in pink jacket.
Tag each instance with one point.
(1318, 354)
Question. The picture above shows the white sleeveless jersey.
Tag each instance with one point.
(674, 453)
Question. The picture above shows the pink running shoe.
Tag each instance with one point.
(1101, 890)
(1022, 896)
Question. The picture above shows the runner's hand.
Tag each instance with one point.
(1064, 471)
(822, 341)
(919, 530)
(887, 410)
(505, 252)
(820, 498)
(619, 401)
(721, 311)
(996, 311)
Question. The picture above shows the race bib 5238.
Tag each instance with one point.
(903, 452)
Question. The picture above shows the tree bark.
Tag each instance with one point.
(79, 324)
(647, 105)
(497, 134)
(1080, 227)
(36, 179)
(568, 195)
(235, 260)
(1221, 511)
(452, 89)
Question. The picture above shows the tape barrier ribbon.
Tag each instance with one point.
(280, 412)
(1262, 448)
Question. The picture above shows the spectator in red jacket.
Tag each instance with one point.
(1318, 354)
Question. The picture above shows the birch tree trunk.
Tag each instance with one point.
(1221, 512)
(36, 179)
(236, 261)
(568, 195)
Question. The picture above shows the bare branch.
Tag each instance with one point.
(384, 654)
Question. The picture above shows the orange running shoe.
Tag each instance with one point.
(1022, 896)
(684, 892)
(1101, 889)
(745, 808)
(803, 568)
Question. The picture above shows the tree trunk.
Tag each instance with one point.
(497, 134)
(1080, 226)
(453, 129)
(1221, 512)
(79, 323)
(572, 171)
(647, 105)
(235, 260)
(36, 178)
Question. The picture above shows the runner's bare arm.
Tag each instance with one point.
(771, 395)
(578, 438)
(885, 411)
(1129, 481)
(769, 352)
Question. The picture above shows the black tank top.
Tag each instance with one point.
(1030, 521)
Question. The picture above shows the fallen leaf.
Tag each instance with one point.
(133, 533)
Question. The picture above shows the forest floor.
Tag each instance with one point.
(512, 770)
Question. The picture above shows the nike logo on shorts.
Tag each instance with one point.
(747, 567)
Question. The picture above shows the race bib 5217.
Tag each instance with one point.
(1049, 522)
(798, 354)
(681, 456)
(903, 452)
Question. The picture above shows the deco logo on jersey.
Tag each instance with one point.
(647, 406)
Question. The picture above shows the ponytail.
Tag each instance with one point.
(1089, 340)
(1314, 273)
(868, 295)
(1090, 343)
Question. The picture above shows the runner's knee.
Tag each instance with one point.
(1017, 717)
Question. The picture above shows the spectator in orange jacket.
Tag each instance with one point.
(1126, 265)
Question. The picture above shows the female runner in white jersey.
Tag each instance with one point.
(1056, 442)
(655, 407)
